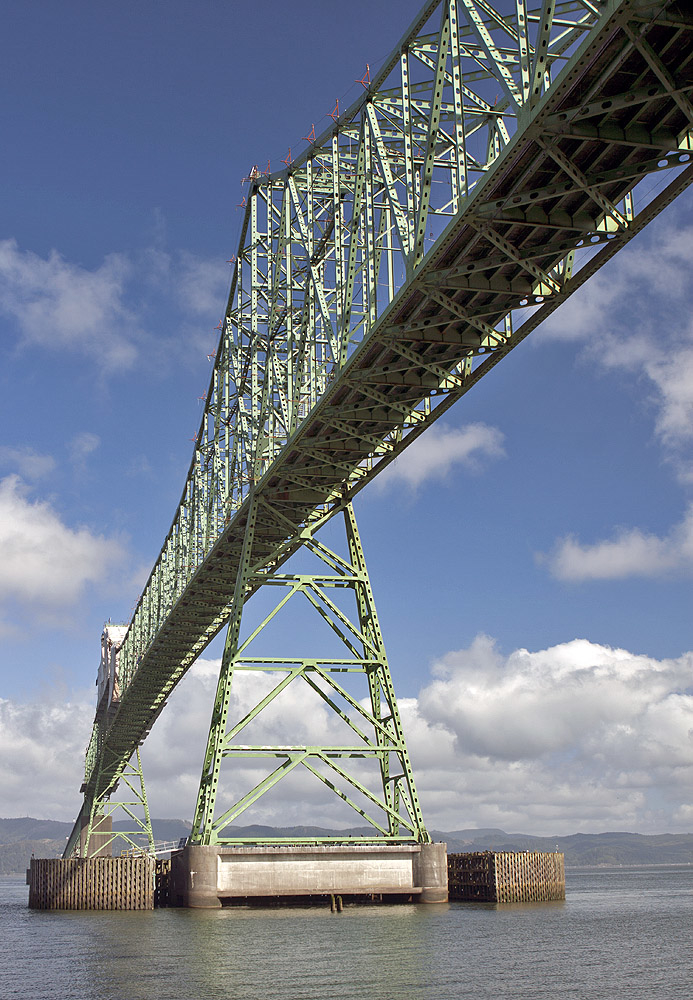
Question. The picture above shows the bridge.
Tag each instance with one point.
(498, 159)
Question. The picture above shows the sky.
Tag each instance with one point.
(531, 554)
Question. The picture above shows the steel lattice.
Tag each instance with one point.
(492, 165)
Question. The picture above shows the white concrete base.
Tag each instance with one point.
(204, 876)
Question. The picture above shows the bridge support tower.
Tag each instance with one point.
(97, 834)
(356, 748)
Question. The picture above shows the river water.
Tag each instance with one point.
(621, 933)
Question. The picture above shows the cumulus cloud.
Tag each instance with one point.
(631, 553)
(435, 453)
(46, 564)
(577, 737)
(103, 313)
(42, 752)
(527, 705)
(635, 317)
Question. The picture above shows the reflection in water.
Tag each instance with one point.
(621, 933)
(285, 953)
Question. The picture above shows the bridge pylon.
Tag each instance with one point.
(98, 835)
(357, 751)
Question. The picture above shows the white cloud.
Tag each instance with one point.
(434, 453)
(60, 305)
(82, 446)
(27, 462)
(634, 316)
(42, 752)
(104, 313)
(45, 564)
(528, 705)
(203, 285)
(577, 737)
(665, 359)
(631, 553)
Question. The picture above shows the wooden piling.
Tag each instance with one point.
(506, 877)
(91, 883)
(162, 882)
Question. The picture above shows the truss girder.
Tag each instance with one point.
(493, 163)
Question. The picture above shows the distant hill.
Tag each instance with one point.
(26, 828)
(45, 838)
(580, 849)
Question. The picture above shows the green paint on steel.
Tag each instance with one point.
(388, 802)
(492, 165)
(131, 803)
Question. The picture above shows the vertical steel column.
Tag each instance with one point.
(380, 685)
(386, 796)
(206, 797)
(103, 807)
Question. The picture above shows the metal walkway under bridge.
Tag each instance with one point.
(502, 154)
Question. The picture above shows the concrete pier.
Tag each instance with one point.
(206, 876)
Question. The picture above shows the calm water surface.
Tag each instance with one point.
(622, 933)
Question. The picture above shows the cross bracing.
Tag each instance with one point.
(502, 155)
(361, 754)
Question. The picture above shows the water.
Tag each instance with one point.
(622, 933)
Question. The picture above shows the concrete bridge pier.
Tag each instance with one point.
(205, 876)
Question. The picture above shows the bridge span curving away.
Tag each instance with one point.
(502, 154)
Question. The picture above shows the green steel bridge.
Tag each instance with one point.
(502, 154)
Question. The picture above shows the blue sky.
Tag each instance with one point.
(552, 505)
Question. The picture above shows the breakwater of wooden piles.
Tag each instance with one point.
(91, 883)
(506, 877)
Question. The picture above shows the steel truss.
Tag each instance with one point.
(499, 158)
(105, 807)
(372, 773)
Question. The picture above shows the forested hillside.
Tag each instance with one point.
(20, 838)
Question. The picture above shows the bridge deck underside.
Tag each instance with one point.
(613, 118)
